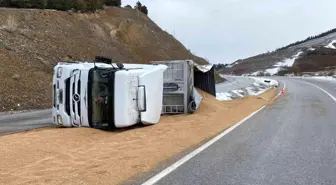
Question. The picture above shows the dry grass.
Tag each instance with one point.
(331, 73)
(87, 16)
(113, 30)
(98, 31)
(10, 25)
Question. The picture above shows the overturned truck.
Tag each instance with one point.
(103, 95)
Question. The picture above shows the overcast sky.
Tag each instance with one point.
(223, 31)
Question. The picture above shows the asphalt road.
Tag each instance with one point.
(25, 121)
(327, 85)
(290, 142)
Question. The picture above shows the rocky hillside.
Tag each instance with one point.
(314, 54)
(33, 41)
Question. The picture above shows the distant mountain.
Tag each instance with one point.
(315, 53)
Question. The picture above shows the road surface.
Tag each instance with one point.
(290, 142)
(25, 121)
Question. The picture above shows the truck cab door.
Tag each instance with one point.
(150, 94)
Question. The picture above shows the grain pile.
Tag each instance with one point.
(90, 156)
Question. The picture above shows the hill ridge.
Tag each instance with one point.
(316, 54)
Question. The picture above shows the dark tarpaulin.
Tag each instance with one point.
(204, 78)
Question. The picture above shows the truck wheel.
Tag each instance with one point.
(192, 107)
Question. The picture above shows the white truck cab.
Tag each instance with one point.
(106, 96)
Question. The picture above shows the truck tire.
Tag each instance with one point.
(192, 107)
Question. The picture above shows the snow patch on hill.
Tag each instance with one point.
(288, 62)
(331, 45)
(272, 71)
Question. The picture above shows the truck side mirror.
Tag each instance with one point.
(120, 65)
(141, 98)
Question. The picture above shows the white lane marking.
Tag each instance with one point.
(331, 96)
(177, 164)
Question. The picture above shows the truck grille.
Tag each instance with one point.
(54, 95)
(73, 102)
(72, 107)
(76, 103)
(79, 92)
(67, 96)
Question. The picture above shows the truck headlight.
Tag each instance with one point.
(59, 72)
(59, 120)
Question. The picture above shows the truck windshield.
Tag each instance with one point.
(99, 101)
